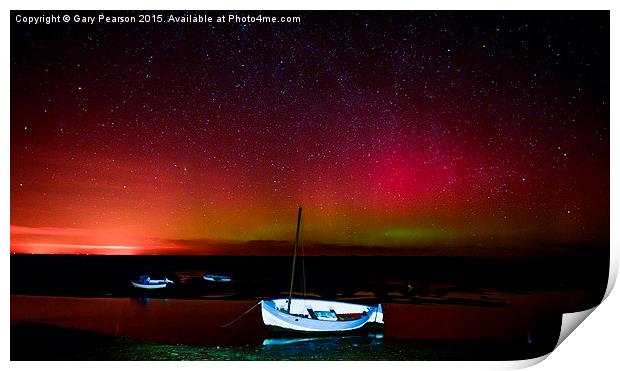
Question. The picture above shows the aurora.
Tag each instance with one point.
(459, 130)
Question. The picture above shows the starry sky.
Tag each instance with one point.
(391, 129)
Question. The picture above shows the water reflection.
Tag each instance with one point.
(286, 341)
(275, 341)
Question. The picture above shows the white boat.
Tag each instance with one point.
(145, 282)
(216, 278)
(316, 316)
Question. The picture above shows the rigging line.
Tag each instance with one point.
(290, 291)
(241, 316)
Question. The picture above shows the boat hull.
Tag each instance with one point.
(278, 320)
(149, 286)
(219, 279)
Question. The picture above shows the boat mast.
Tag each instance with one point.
(290, 291)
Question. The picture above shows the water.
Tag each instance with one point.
(328, 277)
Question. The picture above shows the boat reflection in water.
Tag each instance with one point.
(274, 341)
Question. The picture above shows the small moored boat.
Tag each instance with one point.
(216, 278)
(145, 282)
(318, 316)
(301, 315)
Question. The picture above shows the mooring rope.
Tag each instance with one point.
(241, 316)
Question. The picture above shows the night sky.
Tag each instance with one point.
(396, 129)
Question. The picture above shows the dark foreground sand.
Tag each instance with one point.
(35, 341)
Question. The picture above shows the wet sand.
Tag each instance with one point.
(198, 322)
(173, 321)
(126, 329)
